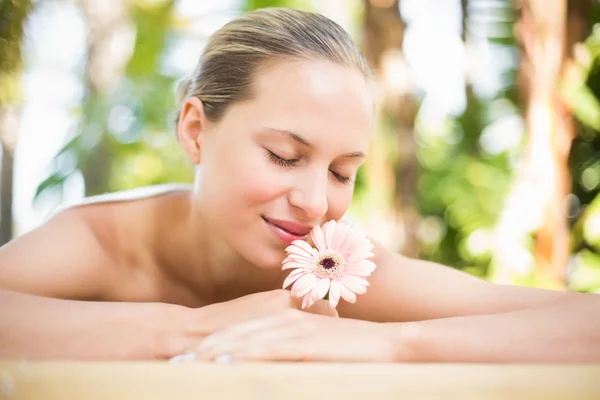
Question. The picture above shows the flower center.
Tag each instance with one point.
(329, 265)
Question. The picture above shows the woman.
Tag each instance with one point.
(278, 117)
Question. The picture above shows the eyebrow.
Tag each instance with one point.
(305, 142)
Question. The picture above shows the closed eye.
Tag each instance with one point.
(294, 161)
(343, 179)
(282, 161)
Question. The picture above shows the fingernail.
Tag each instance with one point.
(182, 358)
(223, 359)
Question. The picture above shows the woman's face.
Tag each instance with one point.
(286, 160)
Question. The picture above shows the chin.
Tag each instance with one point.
(255, 245)
(271, 260)
(264, 256)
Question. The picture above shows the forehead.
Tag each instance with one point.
(324, 101)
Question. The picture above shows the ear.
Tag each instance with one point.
(192, 126)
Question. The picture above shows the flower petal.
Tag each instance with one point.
(293, 276)
(360, 268)
(360, 245)
(305, 246)
(321, 288)
(355, 283)
(304, 285)
(329, 233)
(347, 294)
(318, 291)
(309, 299)
(364, 246)
(345, 237)
(297, 258)
(334, 293)
(299, 251)
(360, 252)
(292, 264)
(340, 236)
(318, 237)
(351, 241)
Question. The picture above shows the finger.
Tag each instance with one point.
(286, 339)
(301, 342)
(291, 339)
(219, 340)
(322, 307)
(280, 346)
(273, 344)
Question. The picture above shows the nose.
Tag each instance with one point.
(310, 195)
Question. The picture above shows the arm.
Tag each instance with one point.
(404, 289)
(40, 327)
(566, 330)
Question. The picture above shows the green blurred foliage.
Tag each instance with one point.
(462, 187)
(12, 16)
(581, 92)
(306, 5)
(147, 152)
(133, 124)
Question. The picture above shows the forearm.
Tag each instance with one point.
(40, 327)
(562, 331)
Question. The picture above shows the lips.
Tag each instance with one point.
(291, 227)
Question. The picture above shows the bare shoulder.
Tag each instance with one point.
(62, 258)
(85, 250)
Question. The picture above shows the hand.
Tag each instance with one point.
(201, 322)
(257, 305)
(296, 336)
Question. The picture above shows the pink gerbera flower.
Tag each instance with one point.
(337, 266)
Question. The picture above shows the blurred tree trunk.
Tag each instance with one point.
(464, 6)
(383, 39)
(547, 31)
(12, 19)
(464, 33)
(104, 19)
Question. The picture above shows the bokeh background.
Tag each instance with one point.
(486, 156)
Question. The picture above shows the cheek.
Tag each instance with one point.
(259, 185)
(338, 202)
(248, 177)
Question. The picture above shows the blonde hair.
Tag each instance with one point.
(235, 52)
